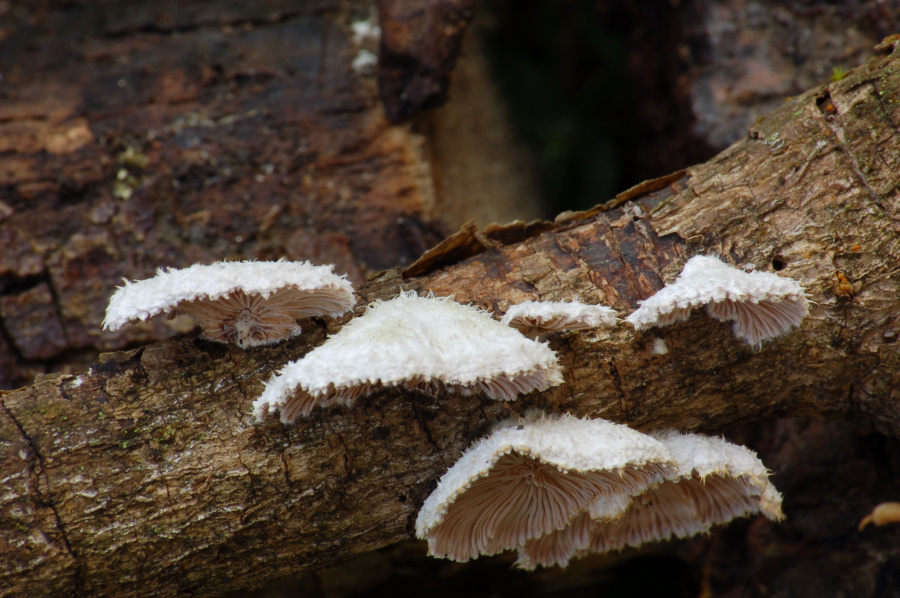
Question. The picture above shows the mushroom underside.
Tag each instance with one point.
(253, 320)
(672, 510)
(558, 547)
(502, 387)
(678, 510)
(536, 324)
(523, 498)
(756, 322)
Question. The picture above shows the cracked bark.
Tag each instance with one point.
(152, 465)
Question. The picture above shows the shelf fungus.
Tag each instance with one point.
(428, 344)
(762, 305)
(530, 479)
(715, 481)
(534, 318)
(246, 303)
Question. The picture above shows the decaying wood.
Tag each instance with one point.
(480, 169)
(148, 471)
(140, 136)
(420, 41)
(185, 135)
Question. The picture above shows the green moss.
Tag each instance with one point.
(838, 73)
(166, 434)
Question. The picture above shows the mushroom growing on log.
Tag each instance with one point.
(429, 344)
(713, 482)
(762, 305)
(250, 304)
(145, 470)
(530, 479)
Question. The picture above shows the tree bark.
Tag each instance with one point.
(148, 470)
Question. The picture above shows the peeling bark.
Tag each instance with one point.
(148, 470)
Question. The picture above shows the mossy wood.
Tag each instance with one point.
(147, 474)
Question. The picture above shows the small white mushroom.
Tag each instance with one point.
(762, 305)
(715, 481)
(539, 317)
(424, 343)
(246, 303)
(526, 480)
(364, 62)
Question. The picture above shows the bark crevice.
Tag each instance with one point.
(45, 498)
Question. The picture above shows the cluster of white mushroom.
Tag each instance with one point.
(557, 489)
(551, 489)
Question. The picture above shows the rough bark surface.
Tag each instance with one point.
(148, 470)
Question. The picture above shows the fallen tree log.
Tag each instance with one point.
(147, 474)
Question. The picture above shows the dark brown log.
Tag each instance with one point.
(149, 472)
(420, 41)
(704, 71)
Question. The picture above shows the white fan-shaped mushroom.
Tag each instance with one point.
(426, 343)
(762, 305)
(246, 303)
(715, 481)
(538, 317)
(526, 480)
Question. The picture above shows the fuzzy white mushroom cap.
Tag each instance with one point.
(427, 343)
(529, 479)
(535, 317)
(714, 482)
(248, 303)
(762, 305)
